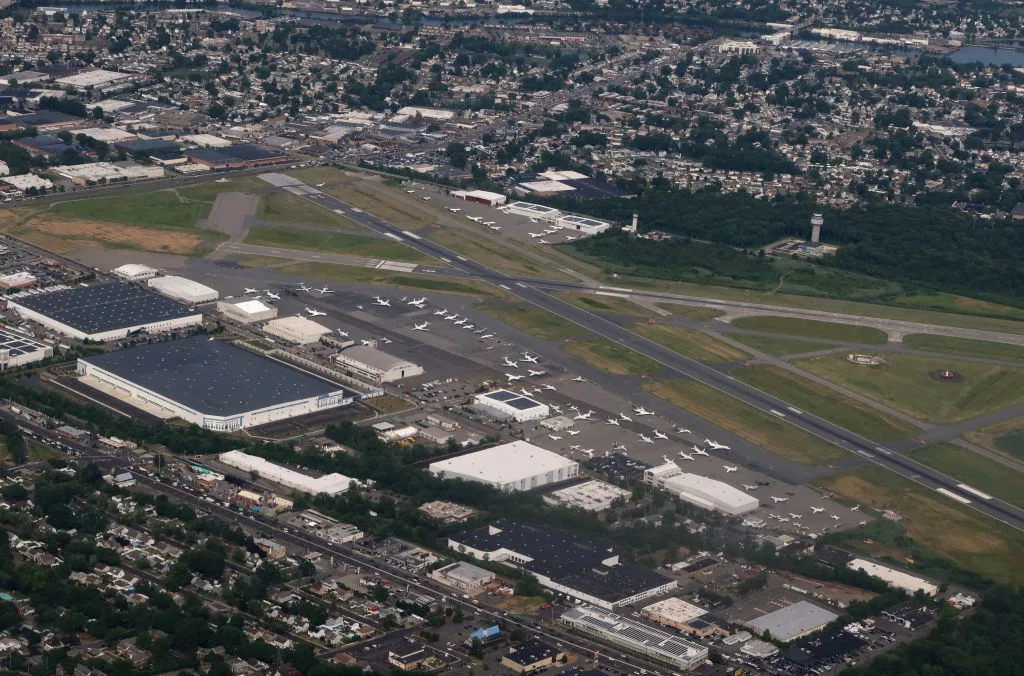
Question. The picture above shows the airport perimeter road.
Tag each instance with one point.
(684, 366)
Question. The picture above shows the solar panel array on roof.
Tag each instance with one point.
(104, 307)
(528, 206)
(522, 403)
(502, 395)
(17, 345)
(583, 220)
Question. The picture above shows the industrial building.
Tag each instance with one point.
(463, 576)
(376, 366)
(531, 656)
(515, 466)
(673, 612)
(699, 490)
(588, 226)
(564, 562)
(330, 484)
(17, 350)
(593, 496)
(105, 311)
(896, 578)
(134, 272)
(491, 199)
(296, 330)
(212, 383)
(535, 211)
(639, 638)
(506, 405)
(246, 310)
(792, 622)
(183, 289)
(17, 280)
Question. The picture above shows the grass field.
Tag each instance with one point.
(970, 539)
(254, 261)
(494, 255)
(39, 452)
(982, 473)
(757, 427)
(689, 342)
(904, 383)
(823, 402)
(612, 357)
(1003, 437)
(157, 208)
(808, 328)
(534, 321)
(330, 242)
(208, 191)
(778, 346)
(284, 207)
(964, 347)
(610, 305)
(346, 187)
(398, 280)
(691, 312)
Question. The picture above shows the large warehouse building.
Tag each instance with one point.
(17, 350)
(896, 578)
(515, 466)
(700, 490)
(246, 310)
(331, 484)
(185, 290)
(581, 568)
(639, 638)
(105, 311)
(296, 330)
(212, 383)
(376, 366)
(792, 622)
(506, 405)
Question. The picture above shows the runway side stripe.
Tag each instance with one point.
(974, 491)
(609, 293)
(954, 496)
(393, 236)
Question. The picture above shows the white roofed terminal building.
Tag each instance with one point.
(515, 466)
(329, 484)
(700, 490)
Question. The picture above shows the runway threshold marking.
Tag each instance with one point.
(950, 494)
(974, 491)
(393, 236)
(411, 234)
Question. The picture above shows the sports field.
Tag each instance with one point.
(689, 342)
(612, 357)
(825, 403)
(611, 305)
(757, 427)
(331, 242)
(908, 384)
(808, 328)
(969, 538)
(973, 469)
(534, 321)
(494, 255)
(965, 347)
(778, 346)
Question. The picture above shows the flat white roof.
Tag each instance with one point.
(675, 610)
(547, 186)
(329, 483)
(180, 286)
(503, 464)
(133, 269)
(712, 489)
(897, 578)
(553, 175)
(92, 77)
(530, 206)
(252, 306)
(298, 325)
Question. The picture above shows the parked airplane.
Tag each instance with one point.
(783, 519)
(666, 459)
(248, 290)
(684, 456)
(699, 451)
(454, 211)
(441, 313)
(526, 357)
(646, 439)
(511, 364)
(543, 241)
(620, 448)
(324, 291)
(795, 517)
(572, 433)
(558, 409)
(410, 191)
(320, 185)
(579, 379)
(364, 341)
(589, 452)
(302, 287)
(855, 508)
(384, 302)
(612, 421)
(642, 411)
(487, 336)
(426, 199)
(273, 296)
(489, 223)
(584, 416)
(496, 228)
(343, 334)
(533, 220)
(526, 392)
(550, 388)
(729, 469)
(535, 235)
(512, 378)
(461, 321)
(478, 332)
(554, 437)
(451, 318)
(748, 487)
(683, 430)
(624, 418)
(534, 374)
(575, 447)
(468, 327)
(386, 341)
(835, 517)
(778, 500)
(315, 313)
(475, 219)
(420, 327)
(715, 446)
(418, 301)
(660, 435)
(817, 510)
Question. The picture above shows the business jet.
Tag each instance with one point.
(543, 241)
(315, 313)
(420, 327)
(366, 342)
(683, 430)
(575, 447)
(489, 223)
(572, 433)
(646, 439)
(579, 379)
(612, 421)
(533, 220)
(512, 378)
(525, 392)
(451, 318)
(526, 357)
(863, 523)
(571, 238)
(302, 287)
(410, 192)
(817, 510)
(248, 290)
(620, 448)
(426, 199)
(554, 437)
(549, 388)
(324, 291)
(441, 313)
(795, 517)
(535, 235)
(660, 435)
(835, 517)
(729, 470)
(511, 364)
(642, 411)
(386, 341)
(468, 327)
(495, 228)
(715, 446)
(320, 185)
(778, 500)
(584, 416)
(589, 452)
(684, 456)
(475, 219)
(537, 373)
(558, 409)
(625, 418)
(487, 336)
(574, 407)
(855, 508)
(461, 321)
(666, 459)
(273, 296)
(783, 519)
(748, 487)
(479, 331)
(343, 334)
(697, 450)
(383, 302)
(454, 211)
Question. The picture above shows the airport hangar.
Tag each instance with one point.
(212, 383)
(515, 466)
(104, 312)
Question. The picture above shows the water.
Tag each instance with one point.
(992, 56)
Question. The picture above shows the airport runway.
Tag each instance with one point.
(683, 366)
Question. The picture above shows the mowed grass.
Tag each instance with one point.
(494, 255)
(821, 401)
(256, 261)
(534, 321)
(612, 357)
(208, 191)
(808, 328)
(757, 427)
(160, 209)
(1005, 437)
(964, 347)
(609, 305)
(332, 242)
(985, 474)
(284, 207)
(904, 383)
(398, 280)
(969, 538)
(689, 342)
(382, 204)
(691, 312)
(778, 346)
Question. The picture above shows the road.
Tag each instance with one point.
(535, 293)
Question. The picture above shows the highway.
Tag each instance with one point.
(532, 292)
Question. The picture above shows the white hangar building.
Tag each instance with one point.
(515, 466)
(330, 484)
(134, 272)
(376, 366)
(246, 310)
(183, 289)
(506, 405)
(296, 330)
(699, 490)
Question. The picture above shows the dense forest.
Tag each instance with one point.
(938, 248)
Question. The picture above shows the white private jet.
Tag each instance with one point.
(410, 192)
(426, 199)
(489, 223)
(302, 287)
(558, 409)
(863, 523)
(684, 456)
(487, 336)
(748, 487)
(461, 321)
(665, 459)
(248, 290)
(533, 220)
(535, 235)
(625, 418)
(795, 517)
(451, 318)
(579, 379)
(697, 450)
(660, 435)
(855, 508)
(417, 301)
(441, 313)
(574, 407)
(817, 510)
(543, 241)
(835, 517)
(475, 219)
(683, 430)
(420, 327)
(495, 228)
(575, 447)
(479, 331)
(584, 416)
(589, 452)
(526, 392)
(715, 446)
(273, 296)
(572, 433)
(511, 364)
(315, 313)
(537, 373)
(468, 327)
(386, 341)
(621, 448)
(454, 211)
(513, 378)
(366, 342)
(612, 421)
(319, 185)
(640, 410)
(554, 437)
(343, 334)
(778, 500)
(783, 519)
(383, 302)
(646, 439)
(549, 388)
(324, 291)
(729, 470)
(526, 357)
